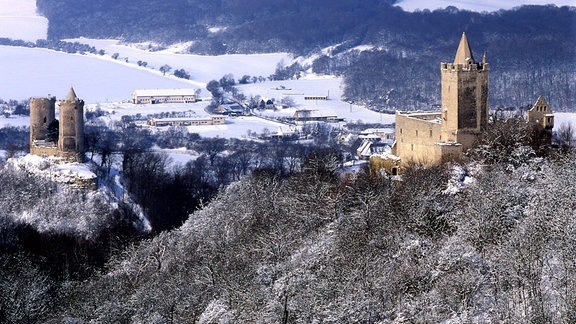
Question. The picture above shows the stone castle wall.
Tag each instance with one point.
(416, 135)
(43, 150)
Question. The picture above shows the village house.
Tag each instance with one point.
(375, 141)
(304, 115)
(156, 96)
(381, 134)
(285, 132)
(265, 103)
(231, 109)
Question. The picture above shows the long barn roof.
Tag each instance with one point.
(164, 92)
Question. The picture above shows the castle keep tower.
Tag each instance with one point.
(464, 96)
(71, 131)
(41, 116)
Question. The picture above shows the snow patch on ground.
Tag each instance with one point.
(48, 167)
(67, 173)
(461, 177)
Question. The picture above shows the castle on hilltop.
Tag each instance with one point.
(63, 138)
(431, 138)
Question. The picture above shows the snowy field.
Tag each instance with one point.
(34, 72)
(21, 8)
(477, 5)
(564, 118)
(19, 20)
(200, 67)
(39, 72)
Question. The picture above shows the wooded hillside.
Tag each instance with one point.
(316, 246)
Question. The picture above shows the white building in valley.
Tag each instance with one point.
(154, 96)
(187, 121)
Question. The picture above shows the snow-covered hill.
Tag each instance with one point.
(38, 72)
(19, 20)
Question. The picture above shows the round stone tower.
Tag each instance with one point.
(71, 129)
(41, 115)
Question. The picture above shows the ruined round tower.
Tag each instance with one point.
(42, 142)
(41, 115)
(71, 129)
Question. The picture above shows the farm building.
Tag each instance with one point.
(187, 121)
(314, 115)
(232, 109)
(155, 96)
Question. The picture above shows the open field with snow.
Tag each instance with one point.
(24, 28)
(34, 72)
(19, 20)
(202, 68)
(38, 72)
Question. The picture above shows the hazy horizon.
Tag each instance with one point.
(28, 7)
(480, 6)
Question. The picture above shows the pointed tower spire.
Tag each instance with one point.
(71, 95)
(463, 54)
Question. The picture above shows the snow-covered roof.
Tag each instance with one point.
(378, 130)
(232, 106)
(309, 113)
(429, 116)
(387, 155)
(185, 118)
(448, 143)
(164, 92)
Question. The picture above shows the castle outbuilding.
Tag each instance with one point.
(62, 138)
(431, 138)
